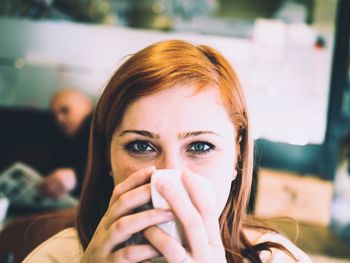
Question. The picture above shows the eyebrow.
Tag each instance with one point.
(140, 132)
(186, 135)
(151, 135)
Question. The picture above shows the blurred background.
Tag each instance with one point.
(292, 58)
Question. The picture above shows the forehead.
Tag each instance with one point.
(182, 107)
(61, 100)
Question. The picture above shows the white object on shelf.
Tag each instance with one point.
(4, 204)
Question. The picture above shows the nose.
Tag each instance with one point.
(171, 160)
(60, 118)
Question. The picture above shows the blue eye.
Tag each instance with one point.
(200, 147)
(140, 147)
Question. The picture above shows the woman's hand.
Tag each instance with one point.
(199, 220)
(119, 224)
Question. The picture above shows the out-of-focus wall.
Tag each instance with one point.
(38, 57)
(285, 78)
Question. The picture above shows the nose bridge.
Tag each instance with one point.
(171, 159)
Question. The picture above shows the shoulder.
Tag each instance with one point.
(277, 255)
(62, 247)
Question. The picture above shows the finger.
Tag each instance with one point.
(165, 244)
(187, 214)
(202, 195)
(127, 202)
(134, 180)
(122, 229)
(134, 253)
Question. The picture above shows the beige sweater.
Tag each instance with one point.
(65, 247)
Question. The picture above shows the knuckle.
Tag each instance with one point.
(117, 191)
(122, 199)
(94, 250)
(166, 247)
(118, 231)
(121, 202)
(192, 222)
(150, 215)
(129, 253)
(120, 225)
(145, 173)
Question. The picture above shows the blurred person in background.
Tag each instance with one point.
(93, 11)
(72, 111)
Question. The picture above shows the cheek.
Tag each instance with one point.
(221, 175)
(121, 173)
(123, 167)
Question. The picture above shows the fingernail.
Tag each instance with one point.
(187, 175)
(163, 185)
(148, 171)
(151, 169)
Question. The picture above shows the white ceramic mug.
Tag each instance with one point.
(4, 204)
(174, 177)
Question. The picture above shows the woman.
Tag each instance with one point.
(172, 105)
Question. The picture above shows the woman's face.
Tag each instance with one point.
(178, 128)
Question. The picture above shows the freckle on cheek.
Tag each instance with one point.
(123, 173)
(118, 177)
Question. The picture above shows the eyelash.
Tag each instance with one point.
(207, 145)
(131, 147)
